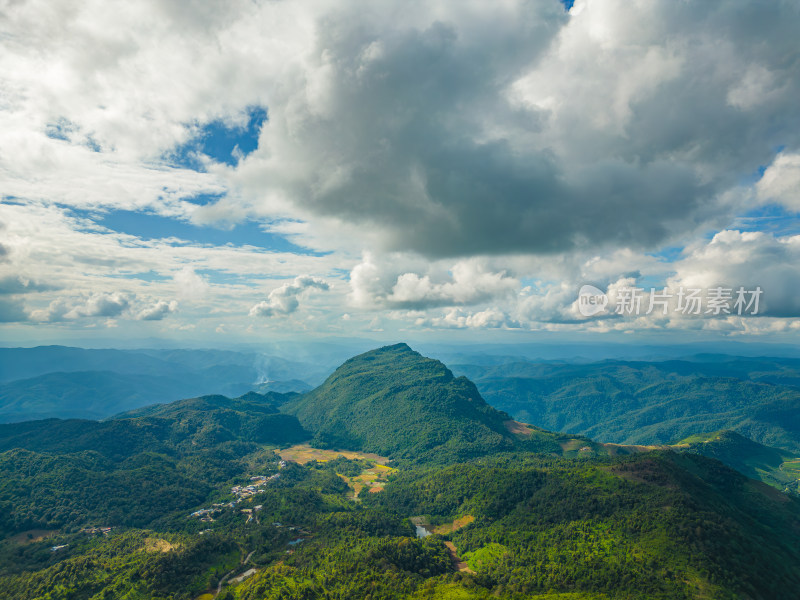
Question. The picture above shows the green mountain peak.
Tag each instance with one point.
(394, 401)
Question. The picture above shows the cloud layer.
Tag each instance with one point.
(442, 165)
(617, 125)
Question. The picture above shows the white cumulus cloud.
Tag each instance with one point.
(385, 283)
(157, 311)
(285, 300)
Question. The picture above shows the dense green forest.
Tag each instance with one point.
(128, 471)
(655, 525)
(658, 525)
(192, 500)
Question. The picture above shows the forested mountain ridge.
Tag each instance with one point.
(200, 505)
(203, 421)
(773, 466)
(655, 525)
(631, 402)
(394, 401)
(251, 403)
(120, 471)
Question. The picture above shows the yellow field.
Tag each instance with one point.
(153, 544)
(372, 479)
(303, 453)
(454, 526)
(791, 466)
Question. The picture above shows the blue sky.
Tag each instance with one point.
(450, 172)
(149, 226)
(221, 142)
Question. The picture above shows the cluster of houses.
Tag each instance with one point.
(241, 492)
(207, 514)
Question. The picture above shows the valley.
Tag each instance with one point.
(392, 479)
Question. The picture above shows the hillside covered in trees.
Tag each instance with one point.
(194, 500)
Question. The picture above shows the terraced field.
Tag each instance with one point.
(372, 479)
(303, 453)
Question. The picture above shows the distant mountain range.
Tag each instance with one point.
(62, 382)
(625, 402)
(524, 512)
(651, 402)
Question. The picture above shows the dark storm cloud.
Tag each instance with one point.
(411, 128)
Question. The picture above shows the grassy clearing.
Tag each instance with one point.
(448, 528)
(153, 544)
(518, 429)
(373, 479)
